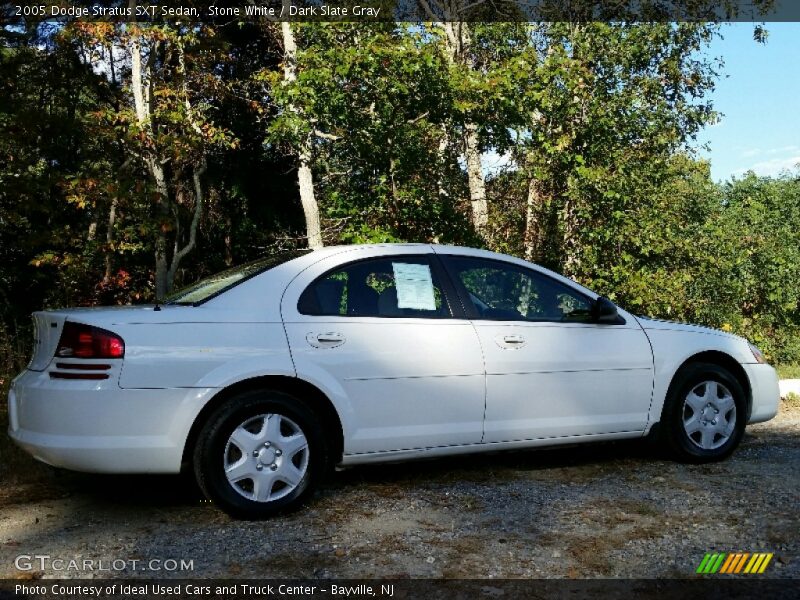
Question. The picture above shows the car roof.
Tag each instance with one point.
(326, 251)
(411, 246)
(447, 249)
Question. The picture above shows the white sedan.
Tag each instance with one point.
(263, 378)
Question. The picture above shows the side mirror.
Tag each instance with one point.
(605, 311)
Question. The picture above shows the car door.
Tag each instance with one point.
(551, 371)
(383, 336)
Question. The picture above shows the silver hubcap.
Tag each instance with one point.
(266, 457)
(709, 415)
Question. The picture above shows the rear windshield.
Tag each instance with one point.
(209, 287)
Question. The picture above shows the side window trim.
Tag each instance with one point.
(450, 289)
(469, 306)
(449, 295)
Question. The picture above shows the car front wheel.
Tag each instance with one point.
(704, 414)
(261, 453)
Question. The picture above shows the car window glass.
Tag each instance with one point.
(507, 292)
(207, 288)
(386, 287)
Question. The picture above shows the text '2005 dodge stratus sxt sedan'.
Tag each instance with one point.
(263, 378)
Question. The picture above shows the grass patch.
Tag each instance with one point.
(791, 371)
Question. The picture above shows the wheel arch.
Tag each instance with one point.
(310, 393)
(721, 359)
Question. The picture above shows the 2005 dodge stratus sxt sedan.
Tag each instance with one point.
(265, 377)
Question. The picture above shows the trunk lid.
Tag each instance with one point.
(47, 328)
(49, 324)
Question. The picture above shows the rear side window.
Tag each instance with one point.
(207, 288)
(399, 286)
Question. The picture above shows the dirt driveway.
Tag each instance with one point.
(602, 510)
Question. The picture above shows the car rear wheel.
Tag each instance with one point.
(261, 453)
(704, 414)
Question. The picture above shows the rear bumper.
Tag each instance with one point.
(97, 427)
(765, 391)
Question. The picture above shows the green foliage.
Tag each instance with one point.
(46, 99)
(374, 101)
(761, 217)
(789, 371)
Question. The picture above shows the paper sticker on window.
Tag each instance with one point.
(414, 286)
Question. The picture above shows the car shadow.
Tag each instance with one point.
(486, 465)
(146, 491)
(166, 491)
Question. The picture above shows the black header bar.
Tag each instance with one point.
(412, 11)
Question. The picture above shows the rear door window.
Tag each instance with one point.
(401, 286)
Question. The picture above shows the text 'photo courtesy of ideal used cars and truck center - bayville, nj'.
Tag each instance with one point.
(424, 298)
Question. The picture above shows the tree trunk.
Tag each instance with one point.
(444, 143)
(228, 239)
(305, 181)
(532, 227)
(162, 265)
(305, 176)
(477, 185)
(142, 97)
(457, 42)
(112, 219)
(569, 213)
(572, 262)
(163, 284)
(178, 255)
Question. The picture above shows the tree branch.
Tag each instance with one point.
(326, 136)
(185, 89)
(198, 209)
(427, 8)
(199, 171)
(142, 110)
(418, 118)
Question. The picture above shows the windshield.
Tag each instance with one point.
(209, 287)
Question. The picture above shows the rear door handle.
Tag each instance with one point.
(325, 340)
(510, 341)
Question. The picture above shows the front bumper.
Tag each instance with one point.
(765, 392)
(95, 426)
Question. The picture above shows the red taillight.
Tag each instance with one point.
(84, 341)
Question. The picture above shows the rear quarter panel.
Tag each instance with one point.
(201, 354)
(231, 337)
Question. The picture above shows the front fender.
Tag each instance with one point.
(672, 348)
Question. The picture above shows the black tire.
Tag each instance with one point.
(672, 432)
(211, 450)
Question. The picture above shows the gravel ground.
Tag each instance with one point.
(610, 510)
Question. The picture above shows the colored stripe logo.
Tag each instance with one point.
(734, 562)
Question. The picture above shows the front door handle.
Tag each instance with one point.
(325, 340)
(510, 341)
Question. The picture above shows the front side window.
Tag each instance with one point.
(399, 286)
(505, 292)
